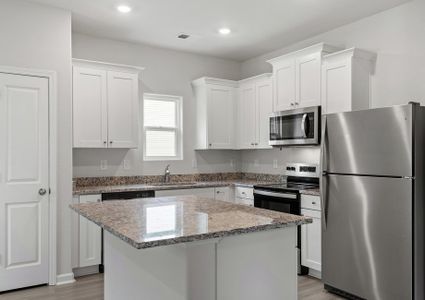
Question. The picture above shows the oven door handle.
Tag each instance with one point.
(272, 194)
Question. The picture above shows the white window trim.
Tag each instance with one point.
(178, 129)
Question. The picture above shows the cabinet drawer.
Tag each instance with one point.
(310, 202)
(244, 192)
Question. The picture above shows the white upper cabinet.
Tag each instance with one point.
(346, 80)
(216, 113)
(297, 77)
(123, 110)
(255, 104)
(89, 108)
(247, 115)
(105, 106)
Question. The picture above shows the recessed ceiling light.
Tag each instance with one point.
(224, 31)
(124, 8)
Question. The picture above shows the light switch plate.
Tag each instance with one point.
(275, 165)
(256, 163)
(126, 164)
(232, 163)
(194, 164)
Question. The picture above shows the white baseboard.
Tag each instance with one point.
(90, 270)
(65, 278)
(315, 273)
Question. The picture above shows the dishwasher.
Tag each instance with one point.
(122, 196)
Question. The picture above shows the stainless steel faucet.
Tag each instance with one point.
(167, 174)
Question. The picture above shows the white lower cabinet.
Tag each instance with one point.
(90, 239)
(224, 194)
(311, 234)
(201, 192)
(244, 195)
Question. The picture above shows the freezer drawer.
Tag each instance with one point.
(367, 236)
(373, 142)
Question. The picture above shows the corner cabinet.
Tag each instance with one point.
(255, 104)
(297, 77)
(105, 106)
(216, 113)
(346, 80)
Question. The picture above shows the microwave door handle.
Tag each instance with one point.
(303, 125)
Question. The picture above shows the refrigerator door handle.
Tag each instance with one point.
(323, 165)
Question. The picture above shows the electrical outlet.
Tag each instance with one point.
(126, 164)
(194, 163)
(232, 163)
(256, 163)
(104, 164)
(275, 165)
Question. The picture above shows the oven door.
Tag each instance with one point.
(283, 202)
(295, 127)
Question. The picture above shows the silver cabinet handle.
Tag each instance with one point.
(42, 192)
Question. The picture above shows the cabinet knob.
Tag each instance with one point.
(292, 103)
(313, 202)
(110, 142)
(296, 103)
(210, 145)
(104, 142)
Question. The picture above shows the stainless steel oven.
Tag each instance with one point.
(295, 127)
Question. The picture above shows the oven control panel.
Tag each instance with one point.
(301, 170)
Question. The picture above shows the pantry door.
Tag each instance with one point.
(24, 181)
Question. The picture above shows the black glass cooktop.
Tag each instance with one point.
(291, 185)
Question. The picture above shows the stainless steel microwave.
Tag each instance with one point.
(298, 127)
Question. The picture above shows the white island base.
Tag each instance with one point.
(251, 266)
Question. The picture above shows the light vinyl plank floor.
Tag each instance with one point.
(91, 288)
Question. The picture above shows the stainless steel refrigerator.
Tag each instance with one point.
(373, 202)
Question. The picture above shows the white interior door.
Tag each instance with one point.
(24, 181)
(123, 110)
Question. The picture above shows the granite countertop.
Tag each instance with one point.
(86, 190)
(152, 222)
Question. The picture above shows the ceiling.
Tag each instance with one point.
(258, 26)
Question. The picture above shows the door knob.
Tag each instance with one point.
(42, 192)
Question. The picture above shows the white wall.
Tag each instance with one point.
(396, 35)
(39, 37)
(168, 72)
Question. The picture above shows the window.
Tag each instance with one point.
(162, 117)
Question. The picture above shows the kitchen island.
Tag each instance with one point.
(190, 248)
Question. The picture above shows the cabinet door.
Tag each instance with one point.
(247, 116)
(264, 108)
(123, 110)
(221, 117)
(89, 108)
(336, 86)
(308, 75)
(222, 194)
(311, 243)
(284, 85)
(90, 237)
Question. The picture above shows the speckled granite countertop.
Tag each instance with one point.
(152, 222)
(312, 192)
(86, 190)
